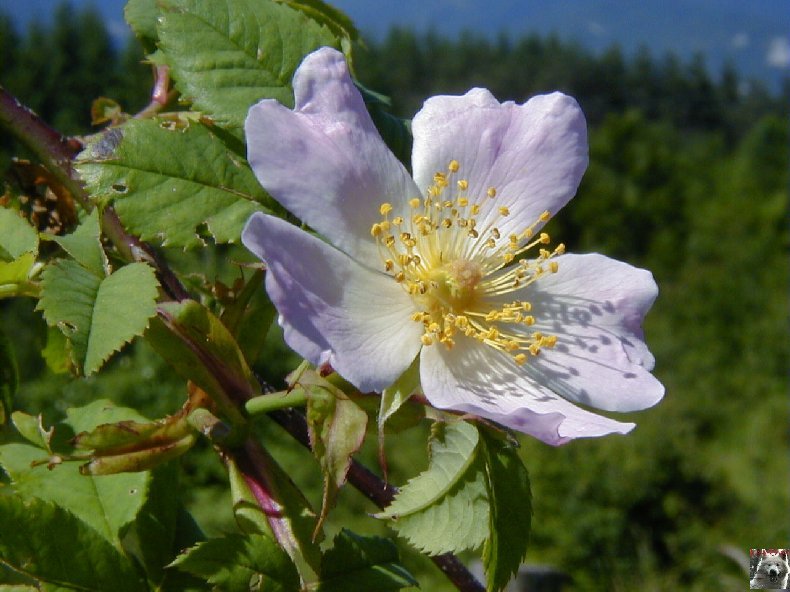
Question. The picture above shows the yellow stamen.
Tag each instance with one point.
(457, 271)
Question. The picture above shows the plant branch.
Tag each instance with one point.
(52, 148)
(57, 152)
(381, 494)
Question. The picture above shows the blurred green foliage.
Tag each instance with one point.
(688, 177)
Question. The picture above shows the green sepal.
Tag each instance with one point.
(337, 427)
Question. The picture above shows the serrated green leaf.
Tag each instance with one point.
(167, 184)
(362, 564)
(453, 448)
(235, 562)
(59, 551)
(229, 54)
(141, 15)
(9, 377)
(97, 315)
(84, 245)
(445, 508)
(510, 497)
(107, 504)
(16, 235)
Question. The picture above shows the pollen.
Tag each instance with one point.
(465, 278)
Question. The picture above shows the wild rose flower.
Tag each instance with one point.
(450, 266)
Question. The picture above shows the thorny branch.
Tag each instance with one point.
(57, 152)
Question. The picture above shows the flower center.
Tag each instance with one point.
(459, 273)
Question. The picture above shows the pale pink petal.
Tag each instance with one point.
(332, 309)
(533, 154)
(478, 379)
(595, 305)
(324, 161)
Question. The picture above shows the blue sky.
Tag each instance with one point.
(753, 34)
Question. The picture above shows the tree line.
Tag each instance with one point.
(58, 69)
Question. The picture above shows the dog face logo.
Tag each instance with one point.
(772, 571)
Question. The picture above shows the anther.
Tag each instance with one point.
(385, 208)
(491, 192)
(454, 166)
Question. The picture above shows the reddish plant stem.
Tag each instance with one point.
(161, 94)
(54, 149)
(56, 152)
